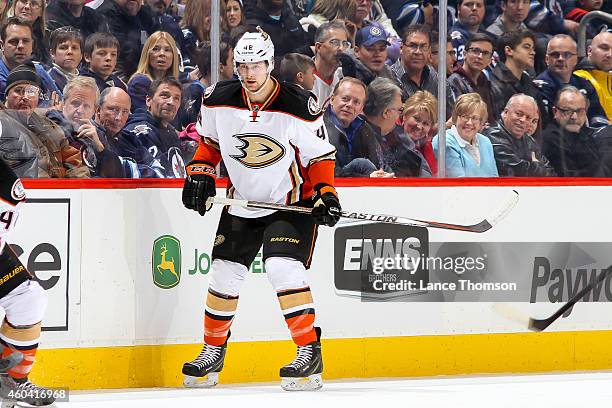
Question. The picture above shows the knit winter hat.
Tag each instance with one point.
(22, 74)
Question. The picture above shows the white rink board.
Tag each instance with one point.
(113, 300)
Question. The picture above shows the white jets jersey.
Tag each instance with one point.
(12, 196)
(266, 148)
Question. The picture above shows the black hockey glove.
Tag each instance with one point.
(349, 68)
(199, 186)
(326, 210)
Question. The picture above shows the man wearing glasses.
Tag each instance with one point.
(561, 59)
(568, 142)
(331, 40)
(469, 77)
(411, 69)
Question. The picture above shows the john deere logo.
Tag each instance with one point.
(166, 262)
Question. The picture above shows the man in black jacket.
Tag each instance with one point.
(568, 143)
(517, 154)
(152, 128)
(131, 23)
(62, 14)
(516, 50)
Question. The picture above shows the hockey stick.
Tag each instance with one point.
(541, 324)
(482, 226)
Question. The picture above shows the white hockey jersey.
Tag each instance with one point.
(12, 197)
(268, 148)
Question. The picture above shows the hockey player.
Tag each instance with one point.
(271, 138)
(23, 300)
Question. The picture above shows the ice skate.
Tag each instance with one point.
(15, 393)
(304, 372)
(203, 372)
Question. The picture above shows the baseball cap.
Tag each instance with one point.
(370, 34)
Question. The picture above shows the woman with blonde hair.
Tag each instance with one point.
(159, 59)
(468, 153)
(419, 119)
(33, 11)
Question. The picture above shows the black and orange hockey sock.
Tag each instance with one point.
(24, 340)
(299, 312)
(220, 311)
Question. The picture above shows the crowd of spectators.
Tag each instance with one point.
(112, 88)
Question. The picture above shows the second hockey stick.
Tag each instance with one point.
(482, 226)
(541, 324)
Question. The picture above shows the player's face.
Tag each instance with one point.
(415, 52)
(600, 51)
(561, 57)
(102, 61)
(23, 97)
(523, 54)
(165, 102)
(417, 125)
(520, 117)
(68, 55)
(373, 56)
(347, 103)
(80, 104)
(253, 74)
(161, 56)
(515, 11)
(472, 12)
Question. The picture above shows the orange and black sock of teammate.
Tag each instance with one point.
(298, 310)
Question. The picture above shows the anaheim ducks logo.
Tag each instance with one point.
(258, 151)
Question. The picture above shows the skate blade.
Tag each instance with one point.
(311, 383)
(208, 381)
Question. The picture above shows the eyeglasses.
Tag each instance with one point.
(34, 4)
(478, 51)
(414, 47)
(27, 91)
(557, 54)
(570, 112)
(339, 44)
(474, 118)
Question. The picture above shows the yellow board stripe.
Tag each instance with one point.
(160, 366)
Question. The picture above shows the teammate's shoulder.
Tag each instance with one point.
(297, 101)
(223, 93)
